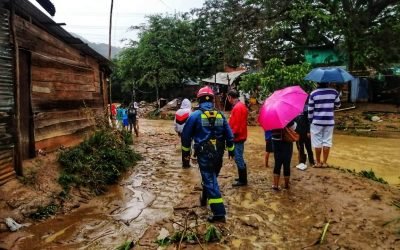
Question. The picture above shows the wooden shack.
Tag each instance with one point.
(46, 77)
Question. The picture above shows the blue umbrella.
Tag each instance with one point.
(336, 75)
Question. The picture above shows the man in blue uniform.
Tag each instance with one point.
(211, 134)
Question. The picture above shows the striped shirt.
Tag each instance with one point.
(321, 105)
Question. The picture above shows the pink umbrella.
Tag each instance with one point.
(282, 107)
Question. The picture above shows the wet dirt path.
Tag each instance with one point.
(147, 195)
(143, 204)
(260, 218)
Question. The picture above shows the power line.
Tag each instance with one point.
(165, 4)
(98, 14)
(88, 27)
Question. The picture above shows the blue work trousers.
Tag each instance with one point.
(209, 168)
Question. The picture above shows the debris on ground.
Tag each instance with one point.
(12, 224)
(172, 105)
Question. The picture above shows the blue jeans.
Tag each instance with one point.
(239, 150)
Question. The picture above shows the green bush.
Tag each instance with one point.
(276, 75)
(98, 161)
(44, 212)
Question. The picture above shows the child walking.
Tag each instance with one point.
(304, 142)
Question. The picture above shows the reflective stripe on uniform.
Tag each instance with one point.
(185, 149)
(231, 148)
(215, 201)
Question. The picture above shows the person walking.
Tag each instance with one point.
(304, 142)
(120, 113)
(181, 116)
(125, 120)
(283, 151)
(211, 134)
(321, 105)
(238, 124)
(136, 125)
(132, 118)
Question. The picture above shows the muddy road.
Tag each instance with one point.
(158, 192)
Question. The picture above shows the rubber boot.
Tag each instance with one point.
(242, 178)
(203, 198)
(185, 159)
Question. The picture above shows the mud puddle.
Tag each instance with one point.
(147, 195)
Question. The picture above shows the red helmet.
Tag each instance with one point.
(205, 91)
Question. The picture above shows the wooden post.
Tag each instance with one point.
(229, 87)
(109, 50)
(17, 149)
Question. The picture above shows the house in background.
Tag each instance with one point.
(46, 77)
(221, 83)
(368, 85)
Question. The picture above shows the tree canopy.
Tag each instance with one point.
(365, 34)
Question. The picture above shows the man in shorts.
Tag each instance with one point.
(321, 105)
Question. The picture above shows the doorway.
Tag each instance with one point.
(26, 114)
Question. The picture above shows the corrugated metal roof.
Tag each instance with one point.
(26, 9)
(222, 77)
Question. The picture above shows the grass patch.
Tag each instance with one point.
(44, 212)
(127, 245)
(99, 160)
(363, 173)
(371, 175)
(212, 234)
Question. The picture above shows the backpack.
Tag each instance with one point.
(131, 111)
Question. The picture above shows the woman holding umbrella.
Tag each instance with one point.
(277, 114)
(283, 151)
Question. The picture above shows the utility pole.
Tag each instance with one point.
(109, 48)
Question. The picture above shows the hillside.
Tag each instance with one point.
(101, 48)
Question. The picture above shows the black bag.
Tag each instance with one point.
(131, 111)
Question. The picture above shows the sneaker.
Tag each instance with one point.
(214, 218)
(301, 166)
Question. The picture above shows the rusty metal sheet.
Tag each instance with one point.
(6, 92)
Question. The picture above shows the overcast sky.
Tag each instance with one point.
(90, 18)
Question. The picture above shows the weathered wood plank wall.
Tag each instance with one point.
(63, 81)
